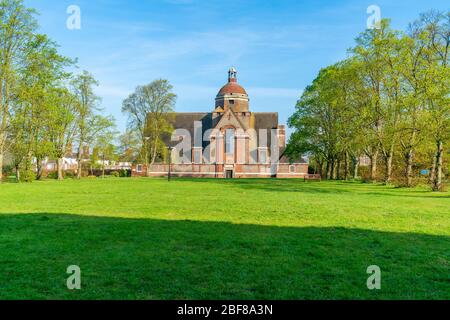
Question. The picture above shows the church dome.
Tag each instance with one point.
(232, 95)
(230, 88)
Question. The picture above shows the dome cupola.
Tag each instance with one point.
(232, 95)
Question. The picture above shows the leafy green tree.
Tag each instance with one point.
(90, 122)
(390, 97)
(17, 25)
(150, 111)
(321, 121)
(61, 125)
(41, 71)
(377, 50)
(128, 146)
(106, 149)
(434, 28)
(83, 87)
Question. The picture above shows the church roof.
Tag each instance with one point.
(266, 120)
(284, 158)
(263, 120)
(232, 87)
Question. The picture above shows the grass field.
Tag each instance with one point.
(218, 239)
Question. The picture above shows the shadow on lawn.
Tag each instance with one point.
(322, 187)
(157, 259)
(279, 185)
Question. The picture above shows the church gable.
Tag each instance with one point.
(230, 119)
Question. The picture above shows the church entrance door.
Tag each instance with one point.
(229, 174)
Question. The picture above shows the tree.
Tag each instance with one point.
(83, 87)
(435, 27)
(41, 71)
(150, 111)
(390, 97)
(412, 116)
(16, 28)
(18, 151)
(323, 120)
(61, 125)
(128, 146)
(377, 50)
(89, 122)
(105, 149)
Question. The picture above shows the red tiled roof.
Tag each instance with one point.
(231, 87)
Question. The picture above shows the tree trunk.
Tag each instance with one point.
(388, 164)
(409, 164)
(79, 162)
(153, 157)
(347, 166)
(38, 169)
(1, 164)
(409, 157)
(439, 159)
(355, 168)
(333, 169)
(373, 166)
(320, 168)
(328, 170)
(2, 129)
(433, 170)
(28, 171)
(146, 157)
(103, 167)
(59, 164)
(338, 169)
(17, 174)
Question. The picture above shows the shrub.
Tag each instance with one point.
(115, 174)
(9, 170)
(123, 173)
(27, 175)
(69, 174)
(52, 175)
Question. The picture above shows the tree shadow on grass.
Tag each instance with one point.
(159, 259)
(411, 194)
(278, 185)
(322, 187)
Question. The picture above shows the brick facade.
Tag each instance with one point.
(229, 142)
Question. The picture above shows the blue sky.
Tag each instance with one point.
(278, 47)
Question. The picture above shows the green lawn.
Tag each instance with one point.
(218, 239)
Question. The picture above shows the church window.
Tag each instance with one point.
(229, 141)
(139, 168)
(231, 101)
(263, 155)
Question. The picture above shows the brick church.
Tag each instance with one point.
(229, 142)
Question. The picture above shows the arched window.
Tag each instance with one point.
(229, 141)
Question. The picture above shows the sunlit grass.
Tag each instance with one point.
(251, 239)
